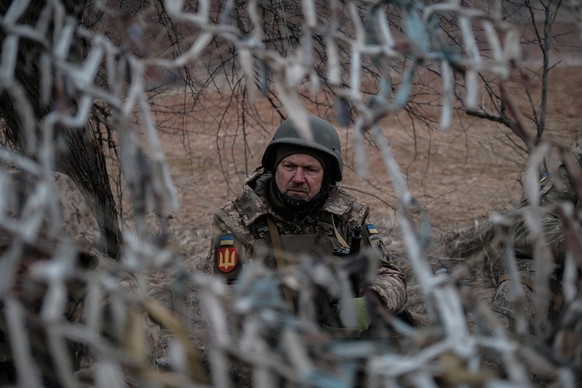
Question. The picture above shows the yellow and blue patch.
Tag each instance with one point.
(372, 229)
(226, 259)
(226, 255)
(226, 240)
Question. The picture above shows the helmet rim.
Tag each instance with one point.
(293, 138)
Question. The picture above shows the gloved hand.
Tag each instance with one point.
(362, 315)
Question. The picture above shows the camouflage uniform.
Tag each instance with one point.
(239, 226)
(501, 302)
(266, 225)
(554, 189)
(262, 222)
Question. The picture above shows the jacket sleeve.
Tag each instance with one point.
(228, 235)
(390, 282)
(390, 285)
(208, 265)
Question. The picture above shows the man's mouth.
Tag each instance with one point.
(299, 191)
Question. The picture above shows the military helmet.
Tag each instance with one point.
(325, 140)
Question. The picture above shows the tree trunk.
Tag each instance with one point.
(82, 157)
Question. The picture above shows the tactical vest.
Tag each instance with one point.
(283, 248)
(324, 242)
(316, 237)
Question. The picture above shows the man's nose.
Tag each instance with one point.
(299, 175)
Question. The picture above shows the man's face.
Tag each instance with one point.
(299, 176)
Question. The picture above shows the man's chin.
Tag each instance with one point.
(297, 195)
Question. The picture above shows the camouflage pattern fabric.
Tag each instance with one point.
(554, 189)
(236, 225)
(505, 307)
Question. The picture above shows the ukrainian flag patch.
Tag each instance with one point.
(372, 229)
(226, 240)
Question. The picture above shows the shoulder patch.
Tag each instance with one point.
(226, 240)
(372, 229)
(376, 242)
(226, 254)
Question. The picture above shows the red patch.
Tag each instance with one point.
(226, 258)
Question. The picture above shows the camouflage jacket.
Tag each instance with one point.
(239, 229)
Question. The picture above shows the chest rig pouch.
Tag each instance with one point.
(324, 241)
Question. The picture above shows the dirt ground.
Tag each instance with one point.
(460, 176)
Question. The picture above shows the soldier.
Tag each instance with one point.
(555, 189)
(292, 204)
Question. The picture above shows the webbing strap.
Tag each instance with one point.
(279, 260)
(276, 242)
(327, 218)
(337, 234)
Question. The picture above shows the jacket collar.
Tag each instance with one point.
(251, 205)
